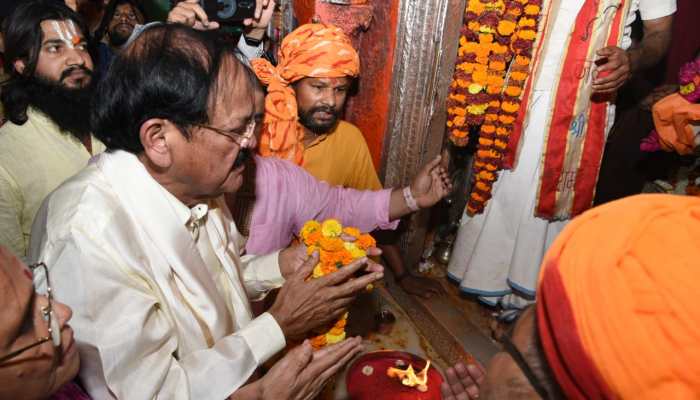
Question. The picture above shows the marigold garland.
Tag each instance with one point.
(493, 64)
(334, 253)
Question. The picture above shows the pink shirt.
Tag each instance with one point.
(286, 196)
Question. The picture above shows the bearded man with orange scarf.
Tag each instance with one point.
(306, 94)
(615, 316)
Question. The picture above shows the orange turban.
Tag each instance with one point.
(616, 307)
(673, 117)
(312, 50)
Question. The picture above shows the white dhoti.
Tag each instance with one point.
(497, 254)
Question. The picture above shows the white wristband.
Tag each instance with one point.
(409, 199)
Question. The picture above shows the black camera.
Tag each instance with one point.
(228, 11)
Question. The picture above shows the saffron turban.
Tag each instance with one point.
(617, 301)
(312, 50)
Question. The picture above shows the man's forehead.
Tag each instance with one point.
(59, 29)
(340, 81)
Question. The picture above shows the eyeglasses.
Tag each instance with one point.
(234, 136)
(520, 361)
(54, 331)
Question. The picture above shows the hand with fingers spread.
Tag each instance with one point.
(190, 13)
(463, 383)
(302, 373)
(295, 256)
(303, 305)
(431, 184)
(615, 70)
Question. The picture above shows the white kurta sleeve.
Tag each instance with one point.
(261, 274)
(653, 9)
(128, 340)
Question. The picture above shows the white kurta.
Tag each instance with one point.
(497, 254)
(151, 317)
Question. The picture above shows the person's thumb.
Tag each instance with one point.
(308, 266)
(300, 356)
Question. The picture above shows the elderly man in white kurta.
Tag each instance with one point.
(497, 254)
(142, 246)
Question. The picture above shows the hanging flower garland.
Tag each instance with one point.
(328, 239)
(493, 64)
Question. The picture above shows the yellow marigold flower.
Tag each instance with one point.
(309, 226)
(687, 89)
(336, 331)
(318, 271)
(331, 228)
(527, 34)
(510, 107)
(513, 91)
(522, 60)
(526, 22)
(354, 251)
(505, 27)
(477, 109)
(518, 76)
(331, 244)
(488, 128)
(332, 339)
(475, 88)
(486, 29)
(532, 9)
(450, 124)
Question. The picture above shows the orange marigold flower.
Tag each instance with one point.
(318, 341)
(522, 60)
(485, 141)
(491, 89)
(352, 231)
(459, 97)
(486, 175)
(497, 65)
(459, 120)
(483, 186)
(484, 60)
(459, 133)
(462, 83)
(450, 124)
(485, 38)
(488, 128)
(331, 244)
(499, 48)
(313, 238)
(365, 241)
(518, 76)
(500, 144)
(336, 331)
(490, 167)
(495, 80)
(345, 257)
(476, 6)
(527, 34)
(473, 26)
(510, 107)
(505, 27)
(480, 77)
(506, 119)
(491, 117)
(502, 131)
(477, 197)
(494, 103)
(513, 91)
(479, 164)
(532, 9)
(526, 22)
(341, 323)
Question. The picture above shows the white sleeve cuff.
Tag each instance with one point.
(250, 52)
(264, 336)
(261, 274)
(659, 9)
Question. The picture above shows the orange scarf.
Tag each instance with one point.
(673, 119)
(312, 50)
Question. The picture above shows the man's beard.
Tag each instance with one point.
(306, 118)
(117, 38)
(68, 108)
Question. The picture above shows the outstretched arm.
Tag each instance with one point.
(431, 185)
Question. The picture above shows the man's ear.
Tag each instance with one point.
(154, 135)
(20, 66)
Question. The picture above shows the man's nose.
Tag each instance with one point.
(328, 98)
(74, 57)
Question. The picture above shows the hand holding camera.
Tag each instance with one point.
(211, 14)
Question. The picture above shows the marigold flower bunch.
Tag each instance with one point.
(329, 239)
(494, 61)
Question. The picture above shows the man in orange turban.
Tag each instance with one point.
(315, 51)
(615, 316)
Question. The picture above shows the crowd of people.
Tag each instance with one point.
(153, 176)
